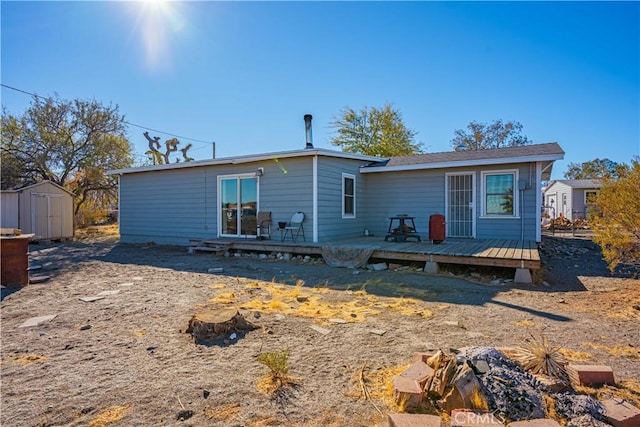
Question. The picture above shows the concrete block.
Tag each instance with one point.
(620, 413)
(523, 275)
(431, 267)
(418, 371)
(421, 357)
(414, 420)
(471, 418)
(590, 375)
(540, 422)
(409, 389)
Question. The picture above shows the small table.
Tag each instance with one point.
(406, 229)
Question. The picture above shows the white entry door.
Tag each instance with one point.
(46, 215)
(459, 201)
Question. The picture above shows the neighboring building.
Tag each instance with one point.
(44, 209)
(486, 194)
(570, 197)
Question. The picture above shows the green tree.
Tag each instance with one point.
(596, 168)
(482, 136)
(71, 143)
(374, 132)
(616, 218)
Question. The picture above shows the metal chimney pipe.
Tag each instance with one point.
(307, 130)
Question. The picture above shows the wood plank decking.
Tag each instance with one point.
(496, 253)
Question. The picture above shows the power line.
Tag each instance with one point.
(125, 121)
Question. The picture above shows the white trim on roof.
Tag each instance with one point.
(248, 159)
(46, 181)
(463, 163)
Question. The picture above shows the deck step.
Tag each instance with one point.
(207, 246)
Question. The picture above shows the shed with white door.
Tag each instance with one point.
(44, 209)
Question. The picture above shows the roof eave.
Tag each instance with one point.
(247, 159)
(463, 163)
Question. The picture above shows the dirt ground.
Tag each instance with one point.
(126, 359)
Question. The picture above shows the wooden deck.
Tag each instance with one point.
(495, 253)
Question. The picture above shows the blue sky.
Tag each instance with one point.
(243, 74)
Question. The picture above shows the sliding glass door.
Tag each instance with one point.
(238, 205)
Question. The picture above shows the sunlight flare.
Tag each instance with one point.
(160, 21)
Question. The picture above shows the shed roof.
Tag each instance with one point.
(37, 184)
(577, 183)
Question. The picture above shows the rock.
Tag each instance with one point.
(183, 415)
(586, 421)
(35, 321)
(453, 323)
(301, 298)
(320, 329)
(91, 299)
(379, 266)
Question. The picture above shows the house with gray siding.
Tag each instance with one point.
(486, 194)
(570, 197)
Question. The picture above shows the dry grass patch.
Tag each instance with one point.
(264, 421)
(378, 383)
(575, 355)
(614, 350)
(223, 412)
(320, 304)
(616, 303)
(525, 323)
(26, 359)
(109, 416)
(628, 390)
(224, 298)
(91, 232)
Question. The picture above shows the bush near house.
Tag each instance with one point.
(616, 219)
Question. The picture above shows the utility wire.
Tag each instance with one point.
(125, 121)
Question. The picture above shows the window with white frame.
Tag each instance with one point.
(499, 193)
(348, 196)
(590, 196)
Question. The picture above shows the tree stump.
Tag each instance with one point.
(213, 325)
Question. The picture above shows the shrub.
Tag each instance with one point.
(616, 217)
